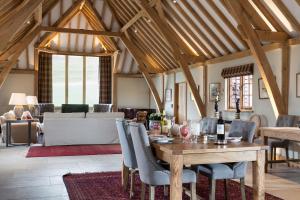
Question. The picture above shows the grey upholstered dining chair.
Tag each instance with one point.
(282, 121)
(129, 159)
(151, 173)
(208, 125)
(238, 128)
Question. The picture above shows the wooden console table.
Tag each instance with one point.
(179, 154)
(284, 133)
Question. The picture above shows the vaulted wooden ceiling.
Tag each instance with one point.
(205, 28)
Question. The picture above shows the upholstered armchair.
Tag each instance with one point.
(102, 107)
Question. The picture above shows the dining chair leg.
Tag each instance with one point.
(166, 191)
(287, 156)
(271, 165)
(193, 191)
(226, 188)
(212, 194)
(151, 192)
(132, 171)
(125, 175)
(242, 182)
(274, 154)
(143, 191)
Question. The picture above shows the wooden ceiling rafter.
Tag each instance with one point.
(261, 59)
(171, 12)
(145, 47)
(285, 11)
(137, 55)
(61, 22)
(226, 21)
(167, 32)
(161, 45)
(206, 27)
(268, 15)
(10, 27)
(99, 24)
(216, 25)
(254, 17)
(23, 43)
(182, 33)
(80, 31)
(181, 44)
(156, 40)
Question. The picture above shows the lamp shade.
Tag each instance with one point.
(18, 99)
(32, 100)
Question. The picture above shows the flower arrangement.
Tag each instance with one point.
(155, 116)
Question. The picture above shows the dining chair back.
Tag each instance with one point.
(208, 125)
(244, 129)
(129, 159)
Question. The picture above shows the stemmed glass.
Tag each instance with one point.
(185, 132)
(194, 127)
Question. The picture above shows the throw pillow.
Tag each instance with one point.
(9, 115)
(26, 115)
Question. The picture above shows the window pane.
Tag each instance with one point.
(58, 79)
(92, 80)
(75, 79)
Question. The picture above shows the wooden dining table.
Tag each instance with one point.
(179, 154)
(283, 133)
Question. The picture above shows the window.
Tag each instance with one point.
(240, 87)
(75, 79)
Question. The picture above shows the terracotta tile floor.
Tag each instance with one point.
(41, 178)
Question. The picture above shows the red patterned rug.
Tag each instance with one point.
(107, 186)
(74, 150)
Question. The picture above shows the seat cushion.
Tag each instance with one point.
(216, 171)
(162, 177)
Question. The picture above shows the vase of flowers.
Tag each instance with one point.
(236, 94)
(155, 123)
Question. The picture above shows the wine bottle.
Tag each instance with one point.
(220, 128)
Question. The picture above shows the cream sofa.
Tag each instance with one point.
(80, 128)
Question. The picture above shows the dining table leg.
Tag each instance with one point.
(259, 176)
(176, 167)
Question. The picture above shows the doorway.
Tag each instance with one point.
(180, 103)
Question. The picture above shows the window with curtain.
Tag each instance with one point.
(243, 91)
(75, 80)
(239, 85)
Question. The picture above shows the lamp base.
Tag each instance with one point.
(18, 110)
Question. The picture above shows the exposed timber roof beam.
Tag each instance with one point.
(132, 21)
(137, 54)
(10, 27)
(256, 48)
(80, 31)
(167, 33)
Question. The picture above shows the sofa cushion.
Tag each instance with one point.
(102, 108)
(55, 115)
(72, 108)
(105, 115)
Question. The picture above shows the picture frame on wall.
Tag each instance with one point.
(298, 85)
(262, 91)
(168, 95)
(214, 89)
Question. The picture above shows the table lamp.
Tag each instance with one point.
(18, 100)
(32, 102)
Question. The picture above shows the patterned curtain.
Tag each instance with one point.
(45, 78)
(105, 79)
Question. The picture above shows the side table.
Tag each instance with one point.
(8, 129)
